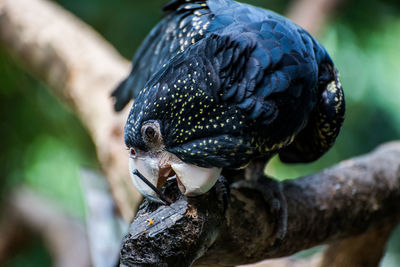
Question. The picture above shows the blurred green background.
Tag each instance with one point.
(43, 145)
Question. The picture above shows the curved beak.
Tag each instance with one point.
(147, 167)
(192, 180)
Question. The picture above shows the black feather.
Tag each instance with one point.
(229, 82)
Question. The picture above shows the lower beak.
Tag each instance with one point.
(192, 180)
(148, 167)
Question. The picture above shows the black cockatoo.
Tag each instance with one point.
(218, 84)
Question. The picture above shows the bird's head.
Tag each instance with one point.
(157, 165)
(176, 128)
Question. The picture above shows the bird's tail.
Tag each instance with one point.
(122, 94)
(324, 125)
(174, 4)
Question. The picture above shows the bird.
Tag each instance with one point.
(219, 84)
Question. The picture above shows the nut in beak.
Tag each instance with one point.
(192, 180)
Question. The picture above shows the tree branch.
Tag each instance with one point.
(353, 198)
(363, 250)
(82, 68)
(312, 14)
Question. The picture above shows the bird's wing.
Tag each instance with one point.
(183, 25)
(223, 87)
(267, 65)
(325, 121)
(242, 68)
(253, 84)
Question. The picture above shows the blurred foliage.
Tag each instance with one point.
(44, 145)
(34, 254)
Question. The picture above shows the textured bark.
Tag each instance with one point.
(178, 234)
(266, 219)
(82, 69)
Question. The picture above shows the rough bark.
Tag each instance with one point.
(82, 69)
(266, 219)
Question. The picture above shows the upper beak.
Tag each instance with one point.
(192, 180)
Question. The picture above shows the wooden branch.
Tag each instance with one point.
(82, 69)
(363, 250)
(266, 219)
(313, 261)
(312, 14)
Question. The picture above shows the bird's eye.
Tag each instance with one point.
(132, 152)
(150, 133)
